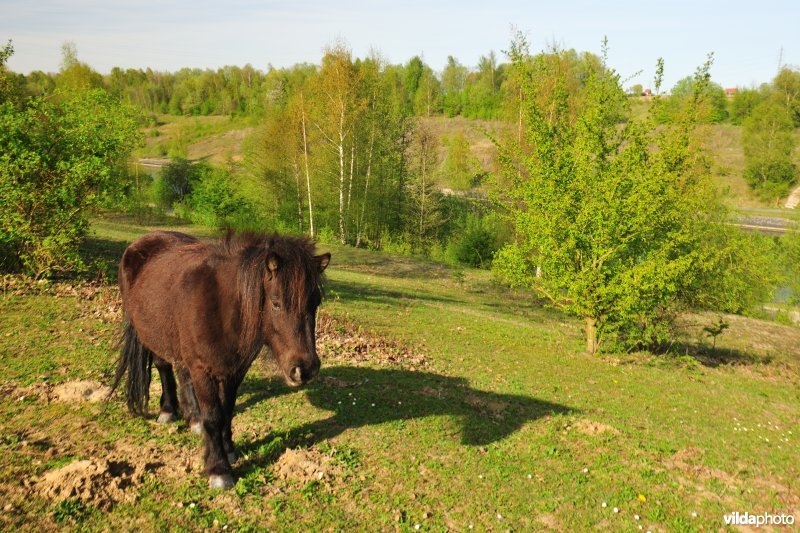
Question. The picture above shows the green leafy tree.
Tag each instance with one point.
(791, 260)
(427, 99)
(58, 160)
(454, 77)
(708, 102)
(75, 75)
(6, 86)
(618, 225)
(460, 167)
(743, 104)
(768, 140)
(424, 214)
(787, 85)
(176, 181)
(214, 201)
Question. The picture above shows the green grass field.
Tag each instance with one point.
(485, 414)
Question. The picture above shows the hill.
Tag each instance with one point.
(445, 402)
(219, 139)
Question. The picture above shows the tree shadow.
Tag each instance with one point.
(359, 397)
(353, 291)
(102, 256)
(714, 357)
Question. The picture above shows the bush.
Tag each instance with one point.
(475, 245)
(214, 202)
(175, 182)
(59, 158)
(768, 140)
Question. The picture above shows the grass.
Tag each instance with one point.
(508, 426)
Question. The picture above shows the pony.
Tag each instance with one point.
(205, 311)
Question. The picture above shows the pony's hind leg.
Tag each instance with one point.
(212, 415)
(169, 397)
(191, 411)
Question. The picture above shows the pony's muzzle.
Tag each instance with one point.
(300, 376)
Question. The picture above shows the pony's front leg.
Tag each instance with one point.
(212, 417)
(228, 392)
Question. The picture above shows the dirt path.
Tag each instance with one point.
(794, 199)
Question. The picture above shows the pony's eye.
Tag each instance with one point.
(276, 306)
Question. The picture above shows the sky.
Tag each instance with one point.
(749, 39)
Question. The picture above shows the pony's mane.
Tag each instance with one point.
(298, 274)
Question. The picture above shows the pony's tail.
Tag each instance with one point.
(137, 361)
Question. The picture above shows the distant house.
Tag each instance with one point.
(730, 91)
(647, 92)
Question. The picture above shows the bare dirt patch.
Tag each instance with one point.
(99, 482)
(114, 476)
(592, 428)
(68, 392)
(79, 391)
(305, 465)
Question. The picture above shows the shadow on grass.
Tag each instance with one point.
(713, 357)
(102, 257)
(351, 291)
(359, 397)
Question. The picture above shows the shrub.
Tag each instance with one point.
(59, 158)
(175, 181)
(214, 202)
(475, 245)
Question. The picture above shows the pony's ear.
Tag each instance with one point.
(322, 261)
(273, 263)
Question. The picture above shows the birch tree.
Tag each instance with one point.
(337, 84)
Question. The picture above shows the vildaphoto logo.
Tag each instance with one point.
(763, 519)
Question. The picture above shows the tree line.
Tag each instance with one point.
(608, 217)
(478, 91)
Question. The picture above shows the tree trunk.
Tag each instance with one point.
(591, 335)
(296, 172)
(308, 174)
(352, 166)
(366, 187)
(342, 237)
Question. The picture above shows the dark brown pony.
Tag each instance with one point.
(206, 310)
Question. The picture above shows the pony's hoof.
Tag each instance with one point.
(232, 457)
(222, 482)
(197, 428)
(166, 418)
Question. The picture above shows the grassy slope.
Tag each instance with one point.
(495, 431)
(213, 138)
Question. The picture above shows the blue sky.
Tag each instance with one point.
(746, 37)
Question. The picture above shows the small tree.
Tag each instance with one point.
(460, 166)
(618, 225)
(175, 181)
(768, 140)
(424, 215)
(707, 102)
(6, 88)
(58, 159)
(743, 103)
(787, 87)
